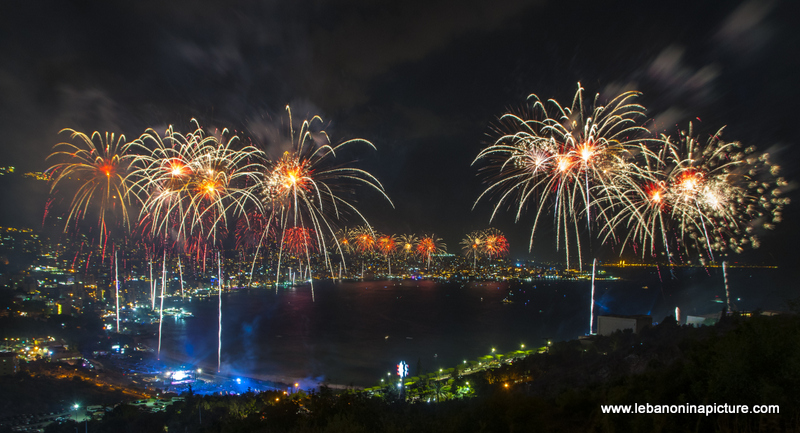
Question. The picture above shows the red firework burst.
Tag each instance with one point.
(299, 240)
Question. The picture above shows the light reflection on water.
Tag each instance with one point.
(342, 337)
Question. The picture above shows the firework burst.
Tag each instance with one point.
(307, 188)
(342, 240)
(190, 184)
(387, 246)
(428, 245)
(563, 156)
(299, 241)
(364, 239)
(100, 164)
(407, 244)
(494, 243)
(711, 197)
(471, 246)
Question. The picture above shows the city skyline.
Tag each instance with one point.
(426, 95)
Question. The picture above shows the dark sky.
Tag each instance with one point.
(423, 80)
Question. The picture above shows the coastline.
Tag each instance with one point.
(277, 382)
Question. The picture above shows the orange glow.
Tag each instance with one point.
(176, 169)
(107, 169)
(656, 196)
(209, 187)
(586, 153)
(563, 163)
(288, 175)
(365, 242)
(387, 245)
(690, 181)
(495, 245)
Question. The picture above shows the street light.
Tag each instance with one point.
(76, 406)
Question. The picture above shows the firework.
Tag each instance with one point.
(152, 289)
(387, 246)
(219, 309)
(100, 164)
(180, 272)
(363, 239)
(407, 245)
(116, 286)
(253, 229)
(566, 156)
(710, 197)
(494, 243)
(307, 188)
(471, 246)
(591, 307)
(161, 306)
(429, 245)
(727, 289)
(342, 239)
(190, 184)
(299, 241)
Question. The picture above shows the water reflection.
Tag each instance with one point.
(357, 331)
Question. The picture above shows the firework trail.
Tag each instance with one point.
(100, 164)
(152, 289)
(161, 307)
(727, 290)
(301, 241)
(566, 156)
(219, 307)
(591, 308)
(249, 228)
(307, 188)
(180, 271)
(88, 260)
(189, 185)
(116, 284)
(77, 253)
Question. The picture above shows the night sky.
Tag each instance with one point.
(423, 80)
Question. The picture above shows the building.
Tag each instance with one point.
(705, 320)
(608, 324)
(9, 363)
